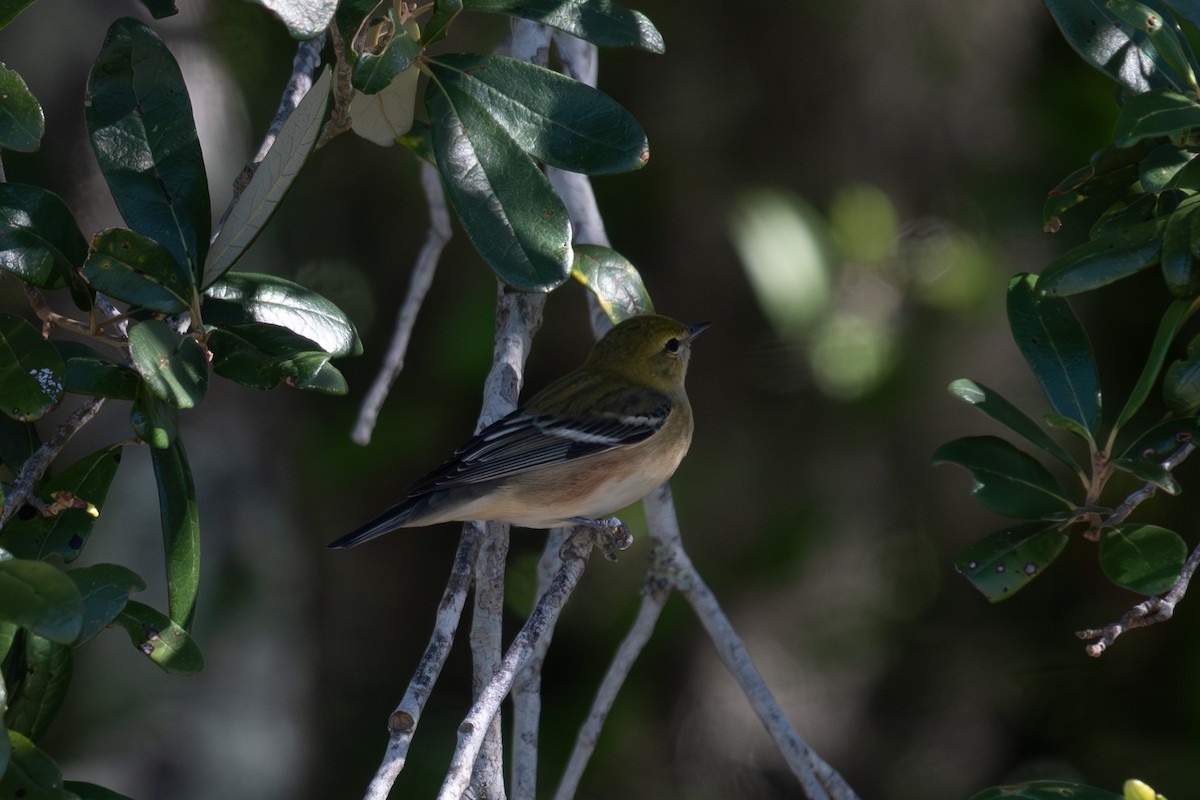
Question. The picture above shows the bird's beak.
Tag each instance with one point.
(696, 329)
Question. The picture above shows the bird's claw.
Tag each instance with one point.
(610, 534)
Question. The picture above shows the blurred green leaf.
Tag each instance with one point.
(262, 356)
(37, 697)
(600, 22)
(32, 775)
(175, 367)
(1148, 472)
(305, 19)
(158, 638)
(1057, 349)
(555, 119)
(1155, 114)
(83, 488)
(105, 589)
(140, 121)
(1002, 563)
(614, 281)
(990, 402)
(135, 269)
(9, 9)
(39, 240)
(1007, 480)
(93, 373)
(506, 204)
(1105, 260)
(1168, 328)
(271, 180)
(1045, 790)
(90, 791)
(242, 298)
(376, 68)
(155, 421)
(1145, 559)
(40, 598)
(32, 374)
(22, 122)
(181, 530)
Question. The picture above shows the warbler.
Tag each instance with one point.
(589, 444)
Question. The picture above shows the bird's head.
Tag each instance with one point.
(650, 349)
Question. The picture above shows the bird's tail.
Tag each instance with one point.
(395, 517)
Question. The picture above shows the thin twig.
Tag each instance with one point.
(487, 617)
(343, 92)
(419, 281)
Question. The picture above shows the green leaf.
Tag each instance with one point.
(175, 367)
(1158, 443)
(90, 791)
(1145, 559)
(506, 204)
(39, 240)
(165, 643)
(40, 598)
(45, 676)
(1179, 266)
(1105, 260)
(1149, 473)
(22, 122)
(383, 117)
(1045, 790)
(436, 27)
(557, 120)
(614, 281)
(105, 589)
(137, 270)
(18, 441)
(1125, 214)
(1155, 114)
(140, 121)
(1057, 350)
(93, 373)
(32, 374)
(1168, 328)
(155, 421)
(5, 747)
(9, 9)
(31, 775)
(83, 489)
(242, 298)
(1159, 169)
(262, 356)
(1007, 480)
(160, 9)
(377, 67)
(1102, 41)
(1002, 563)
(1110, 171)
(990, 402)
(1161, 39)
(597, 21)
(314, 373)
(181, 530)
(271, 180)
(1181, 383)
(305, 19)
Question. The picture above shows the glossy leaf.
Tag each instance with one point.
(263, 356)
(175, 367)
(1045, 790)
(1057, 349)
(1145, 559)
(1107, 45)
(92, 373)
(32, 374)
(614, 281)
(180, 517)
(396, 52)
(1161, 39)
(105, 589)
(140, 121)
(22, 122)
(158, 638)
(1002, 563)
(134, 269)
(242, 298)
(1180, 269)
(155, 421)
(1007, 480)
(305, 19)
(271, 180)
(1105, 260)
(1110, 171)
(45, 676)
(1160, 441)
(1161, 167)
(506, 204)
(557, 120)
(1168, 328)
(32, 775)
(990, 402)
(80, 492)
(39, 240)
(1149, 473)
(1125, 214)
(40, 597)
(438, 23)
(1155, 114)
(600, 22)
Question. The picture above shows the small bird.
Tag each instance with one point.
(589, 444)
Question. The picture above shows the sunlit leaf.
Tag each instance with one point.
(1155, 114)
(135, 269)
(22, 122)
(39, 240)
(1105, 260)
(614, 281)
(378, 66)
(305, 19)
(600, 22)
(45, 677)
(155, 421)
(32, 374)
(1045, 790)
(180, 517)
(175, 367)
(1002, 563)
(1107, 45)
(158, 638)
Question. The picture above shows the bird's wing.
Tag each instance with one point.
(526, 440)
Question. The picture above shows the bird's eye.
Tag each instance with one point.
(672, 345)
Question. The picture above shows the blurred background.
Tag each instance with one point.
(845, 189)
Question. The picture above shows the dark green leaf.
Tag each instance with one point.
(1045, 790)
(305, 19)
(1172, 320)
(1110, 171)
(36, 698)
(614, 281)
(175, 367)
(314, 373)
(1150, 473)
(557, 120)
(1155, 114)
(155, 421)
(93, 373)
(39, 240)
(137, 270)
(262, 356)
(9, 9)
(5, 746)
(1145, 559)
(1105, 260)
(181, 530)
(32, 374)
(140, 121)
(1057, 350)
(90, 791)
(1181, 385)
(1007, 480)
(990, 402)
(597, 21)
(1179, 266)
(160, 9)
(241, 298)
(80, 491)
(40, 598)
(32, 775)
(1158, 443)
(105, 589)
(1108, 46)
(506, 204)
(21, 120)
(397, 51)
(1002, 563)
(1160, 38)
(165, 643)
(18, 441)
(1159, 169)
(1125, 214)
(444, 12)
(1059, 422)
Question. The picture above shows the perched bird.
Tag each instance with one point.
(586, 446)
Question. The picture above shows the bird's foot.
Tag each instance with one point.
(609, 534)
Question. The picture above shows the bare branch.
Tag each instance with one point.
(487, 782)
